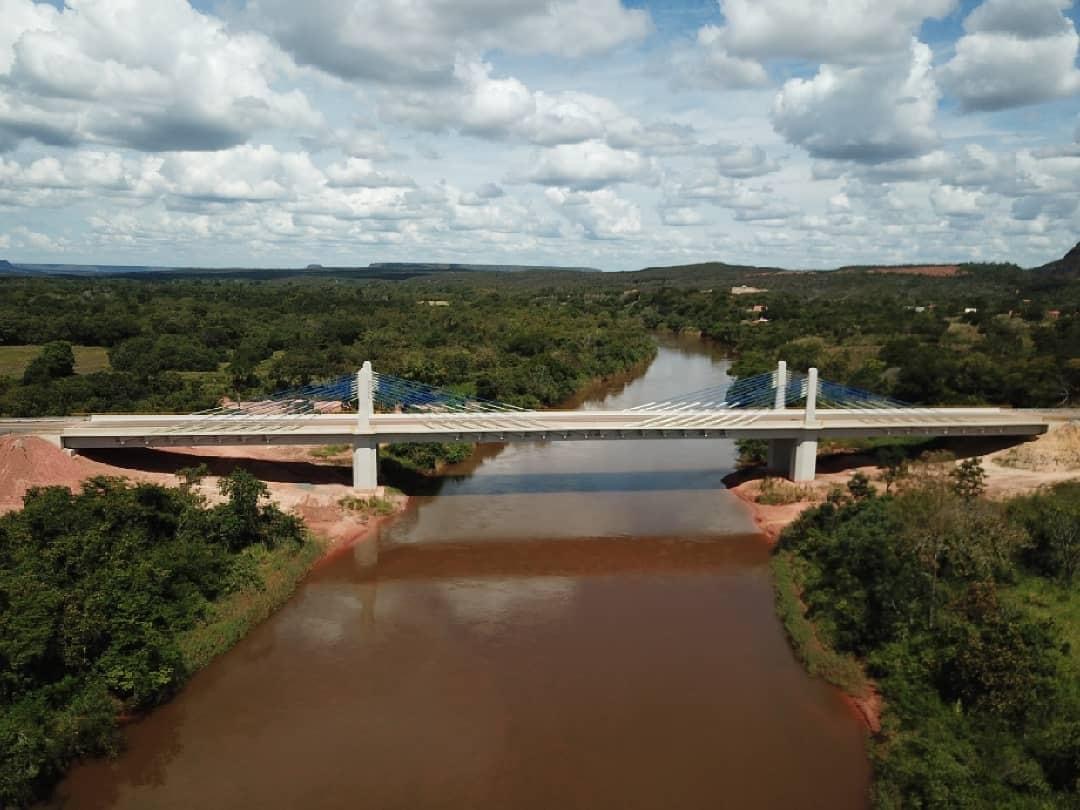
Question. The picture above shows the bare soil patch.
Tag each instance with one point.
(936, 270)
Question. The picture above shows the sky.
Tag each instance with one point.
(615, 134)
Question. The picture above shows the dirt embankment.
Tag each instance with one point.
(309, 486)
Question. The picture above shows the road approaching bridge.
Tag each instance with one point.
(369, 409)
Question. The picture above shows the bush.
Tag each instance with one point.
(96, 590)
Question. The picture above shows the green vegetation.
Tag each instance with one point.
(424, 458)
(961, 610)
(777, 491)
(180, 345)
(330, 450)
(372, 505)
(15, 359)
(990, 334)
(111, 598)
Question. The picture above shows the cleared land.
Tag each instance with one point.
(15, 359)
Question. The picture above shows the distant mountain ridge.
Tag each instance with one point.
(1068, 265)
(456, 267)
(391, 270)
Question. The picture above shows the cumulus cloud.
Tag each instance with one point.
(710, 64)
(1015, 52)
(598, 214)
(869, 113)
(834, 31)
(734, 160)
(950, 201)
(362, 172)
(680, 215)
(106, 71)
(588, 166)
(417, 42)
(503, 108)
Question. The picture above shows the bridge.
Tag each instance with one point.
(791, 411)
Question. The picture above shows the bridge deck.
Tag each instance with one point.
(182, 430)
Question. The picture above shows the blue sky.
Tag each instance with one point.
(805, 133)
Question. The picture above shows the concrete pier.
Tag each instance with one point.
(365, 463)
(803, 464)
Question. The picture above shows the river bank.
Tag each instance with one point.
(1010, 470)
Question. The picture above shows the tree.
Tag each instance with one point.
(894, 464)
(860, 487)
(969, 478)
(55, 361)
(1052, 521)
(1002, 662)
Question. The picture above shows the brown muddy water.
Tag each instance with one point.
(569, 625)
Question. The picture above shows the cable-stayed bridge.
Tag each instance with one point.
(791, 411)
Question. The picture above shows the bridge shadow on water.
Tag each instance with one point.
(310, 472)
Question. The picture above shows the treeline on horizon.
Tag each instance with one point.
(990, 334)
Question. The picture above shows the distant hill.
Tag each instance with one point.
(395, 271)
(433, 267)
(1069, 264)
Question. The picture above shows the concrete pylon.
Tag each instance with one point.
(781, 386)
(365, 447)
(810, 419)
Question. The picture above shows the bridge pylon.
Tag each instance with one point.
(365, 446)
(796, 458)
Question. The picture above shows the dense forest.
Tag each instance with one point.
(965, 614)
(107, 604)
(983, 334)
(989, 334)
(181, 345)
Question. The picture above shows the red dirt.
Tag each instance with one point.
(867, 708)
(935, 270)
(29, 461)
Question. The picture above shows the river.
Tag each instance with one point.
(567, 625)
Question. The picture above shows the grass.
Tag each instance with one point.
(775, 492)
(88, 359)
(368, 506)
(330, 450)
(232, 617)
(1056, 601)
(819, 659)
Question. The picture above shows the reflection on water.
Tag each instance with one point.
(580, 624)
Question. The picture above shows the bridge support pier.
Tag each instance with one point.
(794, 458)
(365, 464)
(778, 458)
(803, 460)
